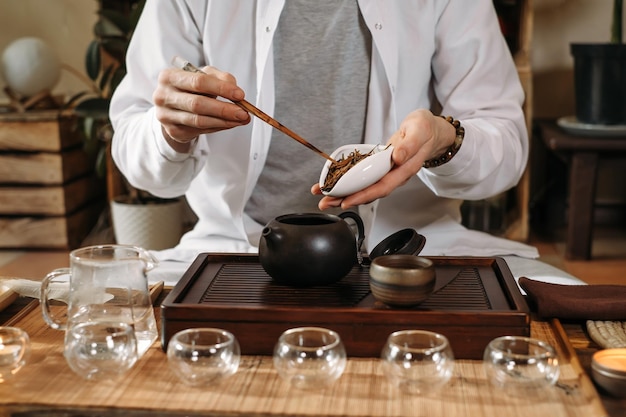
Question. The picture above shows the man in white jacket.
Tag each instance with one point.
(336, 72)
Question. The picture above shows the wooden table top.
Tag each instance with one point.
(558, 139)
(255, 390)
(584, 348)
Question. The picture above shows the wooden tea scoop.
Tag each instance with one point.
(251, 108)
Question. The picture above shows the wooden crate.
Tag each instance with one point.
(54, 200)
(47, 130)
(49, 232)
(44, 167)
(49, 194)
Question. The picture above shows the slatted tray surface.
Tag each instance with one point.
(475, 300)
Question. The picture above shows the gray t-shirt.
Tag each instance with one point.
(322, 52)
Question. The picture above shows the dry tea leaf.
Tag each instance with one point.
(342, 165)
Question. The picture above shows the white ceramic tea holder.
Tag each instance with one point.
(365, 173)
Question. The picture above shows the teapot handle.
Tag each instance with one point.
(360, 235)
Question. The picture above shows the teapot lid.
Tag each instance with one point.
(404, 242)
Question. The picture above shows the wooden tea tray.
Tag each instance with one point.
(476, 299)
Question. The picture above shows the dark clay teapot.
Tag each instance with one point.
(308, 249)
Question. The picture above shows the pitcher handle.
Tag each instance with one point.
(360, 235)
(148, 258)
(44, 299)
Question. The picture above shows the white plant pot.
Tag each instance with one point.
(152, 226)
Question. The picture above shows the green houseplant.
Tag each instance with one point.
(138, 217)
(600, 76)
(616, 24)
(105, 67)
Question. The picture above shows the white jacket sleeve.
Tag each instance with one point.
(138, 146)
(476, 81)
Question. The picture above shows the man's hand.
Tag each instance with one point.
(421, 136)
(187, 104)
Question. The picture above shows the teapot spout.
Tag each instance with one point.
(272, 235)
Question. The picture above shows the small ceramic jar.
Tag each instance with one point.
(402, 280)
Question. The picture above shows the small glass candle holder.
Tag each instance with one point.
(517, 362)
(203, 356)
(417, 361)
(14, 351)
(100, 350)
(310, 357)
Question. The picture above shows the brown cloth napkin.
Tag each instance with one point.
(586, 302)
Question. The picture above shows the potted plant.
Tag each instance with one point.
(105, 68)
(600, 76)
(138, 217)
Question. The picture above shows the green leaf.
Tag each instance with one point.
(105, 28)
(88, 123)
(115, 46)
(616, 25)
(136, 13)
(92, 60)
(101, 162)
(97, 108)
(74, 99)
(105, 80)
(116, 79)
(117, 19)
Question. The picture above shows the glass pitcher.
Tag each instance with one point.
(107, 283)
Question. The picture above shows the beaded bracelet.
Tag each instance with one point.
(453, 149)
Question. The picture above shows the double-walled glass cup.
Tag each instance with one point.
(417, 361)
(203, 356)
(98, 350)
(310, 357)
(14, 351)
(517, 362)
